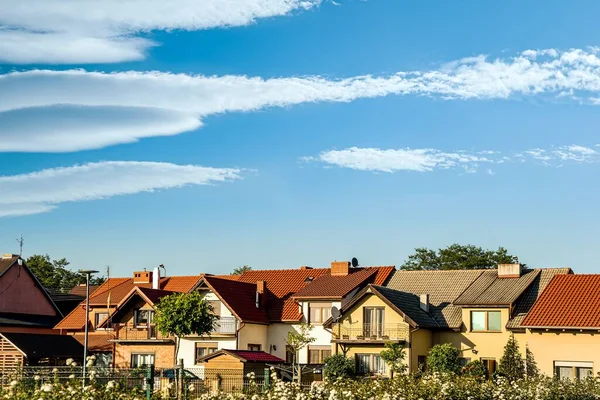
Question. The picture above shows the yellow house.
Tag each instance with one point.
(474, 310)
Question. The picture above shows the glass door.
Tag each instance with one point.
(373, 322)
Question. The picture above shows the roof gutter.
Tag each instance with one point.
(574, 328)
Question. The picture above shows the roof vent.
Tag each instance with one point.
(424, 302)
(509, 270)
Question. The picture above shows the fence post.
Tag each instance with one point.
(180, 380)
(267, 380)
(149, 381)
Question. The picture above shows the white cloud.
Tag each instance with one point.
(427, 160)
(42, 191)
(93, 31)
(184, 100)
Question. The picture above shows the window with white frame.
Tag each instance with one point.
(573, 369)
(370, 364)
(142, 359)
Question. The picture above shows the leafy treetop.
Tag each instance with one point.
(456, 257)
(54, 274)
(241, 270)
(443, 358)
(394, 357)
(182, 314)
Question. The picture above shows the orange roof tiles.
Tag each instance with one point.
(569, 301)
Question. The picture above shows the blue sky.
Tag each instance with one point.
(283, 133)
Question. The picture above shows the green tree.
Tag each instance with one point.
(241, 270)
(443, 358)
(511, 364)
(474, 369)
(531, 368)
(338, 366)
(394, 357)
(54, 274)
(183, 314)
(297, 340)
(457, 256)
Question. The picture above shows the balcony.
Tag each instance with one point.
(138, 333)
(225, 326)
(369, 333)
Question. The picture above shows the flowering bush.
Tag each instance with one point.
(402, 387)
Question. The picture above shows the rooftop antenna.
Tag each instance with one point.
(20, 240)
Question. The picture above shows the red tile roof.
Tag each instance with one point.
(97, 342)
(283, 284)
(239, 297)
(337, 287)
(569, 301)
(247, 356)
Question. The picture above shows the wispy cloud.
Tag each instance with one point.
(92, 31)
(427, 160)
(157, 103)
(44, 190)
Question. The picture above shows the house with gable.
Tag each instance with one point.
(259, 309)
(474, 310)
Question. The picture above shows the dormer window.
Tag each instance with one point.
(309, 279)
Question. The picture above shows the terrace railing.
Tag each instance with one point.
(370, 332)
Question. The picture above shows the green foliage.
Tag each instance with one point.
(474, 369)
(54, 274)
(298, 340)
(394, 357)
(531, 368)
(511, 364)
(457, 256)
(338, 366)
(183, 314)
(443, 358)
(241, 270)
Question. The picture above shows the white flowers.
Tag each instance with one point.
(46, 387)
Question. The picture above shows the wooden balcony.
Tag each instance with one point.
(369, 333)
(130, 332)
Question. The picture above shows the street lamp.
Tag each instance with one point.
(88, 273)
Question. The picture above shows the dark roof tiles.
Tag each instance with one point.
(491, 290)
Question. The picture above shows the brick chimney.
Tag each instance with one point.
(261, 294)
(142, 277)
(509, 270)
(340, 268)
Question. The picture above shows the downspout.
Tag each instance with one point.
(237, 335)
(410, 361)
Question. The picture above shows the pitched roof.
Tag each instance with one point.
(329, 286)
(80, 290)
(6, 263)
(118, 288)
(28, 320)
(490, 290)
(409, 304)
(532, 294)
(569, 301)
(246, 356)
(443, 287)
(150, 296)
(97, 342)
(284, 284)
(36, 346)
(239, 297)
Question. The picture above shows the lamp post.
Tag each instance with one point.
(88, 273)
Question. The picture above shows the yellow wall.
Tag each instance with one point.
(420, 343)
(354, 316)
(486, 344)
(551, 346)
(254, 334)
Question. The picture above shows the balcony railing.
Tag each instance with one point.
(370, 332)
(132, 331)
(225, 325)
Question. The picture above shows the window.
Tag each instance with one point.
(373, 318)
(486, 321)
(143, 317)
(140, 360)
(572, 370)
(254, 347)
(319, 312)
(204, 349)
(462, 361)
(318, 354)
(370, 364)
(99, 318)
(290, 355)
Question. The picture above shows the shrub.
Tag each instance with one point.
(338, 366)
(443, 358)
(393, 355)
(511, 364)
(474, 369)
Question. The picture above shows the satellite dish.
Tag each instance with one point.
(335, 313)
(354, 262)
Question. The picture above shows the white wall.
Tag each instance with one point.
(187, 348)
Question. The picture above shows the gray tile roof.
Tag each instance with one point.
(443, 287)
(490, 290)
(409, 304)
(528, 299)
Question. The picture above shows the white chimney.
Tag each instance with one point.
(509, 270)
(424, 302)
(156, 278)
